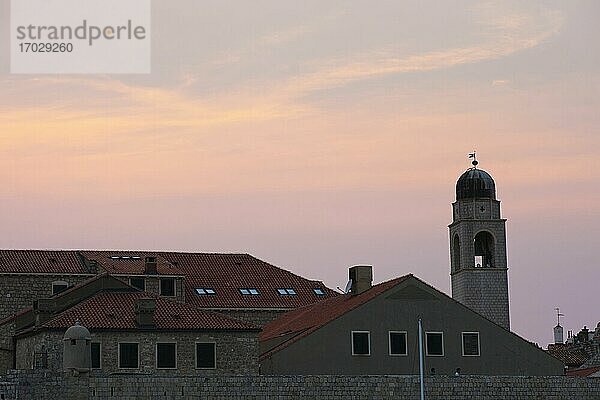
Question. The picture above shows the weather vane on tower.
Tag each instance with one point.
(473, 155)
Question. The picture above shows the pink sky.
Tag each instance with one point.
(317, 136)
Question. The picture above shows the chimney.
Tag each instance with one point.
(43, 310)
(361, 277)
(150, 266)
(144, 312)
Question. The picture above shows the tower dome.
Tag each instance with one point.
(475, 184)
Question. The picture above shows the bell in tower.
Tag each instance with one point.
(479, 270)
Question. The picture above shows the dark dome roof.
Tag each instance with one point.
(475, 183)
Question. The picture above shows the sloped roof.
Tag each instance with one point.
(41, 261)
(227, 273)
(115, 310)
(570, 355)
(584, 372)
(303, 321)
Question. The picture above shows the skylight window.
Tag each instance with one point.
(286, 292)
(318, 291)
(125, 257)
(249, 291)
(203, 291)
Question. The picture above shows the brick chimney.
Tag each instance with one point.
(150, 264)
(144, 312)
(43, 310)
(362, 278)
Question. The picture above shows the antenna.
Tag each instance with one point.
(558, 315)
(348, 287)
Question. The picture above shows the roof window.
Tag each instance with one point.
(252, 292)
(203, 291)
(286, 292)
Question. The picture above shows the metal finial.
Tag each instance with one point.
(558, 315)
(473, 155)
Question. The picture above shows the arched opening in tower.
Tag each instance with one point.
(484, 250)
(456, 250)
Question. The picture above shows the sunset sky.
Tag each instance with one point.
(317, 135)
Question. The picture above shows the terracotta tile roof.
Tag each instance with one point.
(41, 261)
(570, 355)
(129, 262)
(303, 321)
(583, 372)
(227, 273)
(115, 310)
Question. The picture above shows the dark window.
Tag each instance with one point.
(398, 343)
(96, 348)
(484, 250)
(434, 342)
(128, 355)
(139, 283)
(470, 343)
(361, 345)
(167, 287)
(456, 250)
(205, 355)
(58, 287)
(166, 355)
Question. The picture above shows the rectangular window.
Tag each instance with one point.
(249, 291)
(96, 355)
(128, 355)
(470, 343)
(319, 291)
(361, 343)
(434, 343)
(166, 355)
(206, 356)
(286, 291)
(139, 283)
(202, 291)
(58, 287)
(398, 343)
(167, 287)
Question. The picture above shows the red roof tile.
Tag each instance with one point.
(303, 321)
(583, 372)
(115, 310)
(41, 261)
(571, 355)
(227, 273)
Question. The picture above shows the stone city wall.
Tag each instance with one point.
(40, 385)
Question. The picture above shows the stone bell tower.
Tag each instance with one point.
(479, 270)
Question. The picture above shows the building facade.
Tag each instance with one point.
(375, 332)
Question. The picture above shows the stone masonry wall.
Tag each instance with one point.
(19, 291)
(257, 317)
(236, 353)
(42, 385)
(6, 346)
